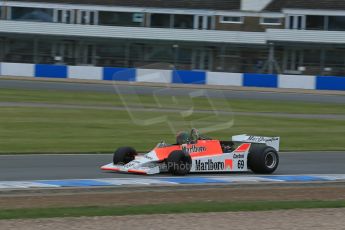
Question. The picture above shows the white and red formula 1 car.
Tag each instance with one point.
(196, 153)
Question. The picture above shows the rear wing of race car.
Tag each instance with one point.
(270, 141)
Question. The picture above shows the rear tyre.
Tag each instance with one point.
(124, 155)
(263, 159)
(179, 163)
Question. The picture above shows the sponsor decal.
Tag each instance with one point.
(131, 164)
(240, 164)
(238, 156)
(148, 157)
(262, 139)
(228, 164)
(193, 149)
(209, 165)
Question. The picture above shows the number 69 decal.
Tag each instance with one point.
(240, 164)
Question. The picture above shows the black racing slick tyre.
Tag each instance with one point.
(179, 163)
(263, 159)
(124, 155)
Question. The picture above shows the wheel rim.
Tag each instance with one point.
(183, 164)
(271, 160)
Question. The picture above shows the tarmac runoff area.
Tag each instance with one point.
(166, 110)
(61, 167)
(86, 166)
(66, 171)
(176, 90)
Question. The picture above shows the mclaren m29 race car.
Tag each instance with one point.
(196, 153)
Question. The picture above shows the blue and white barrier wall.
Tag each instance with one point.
(174, 76)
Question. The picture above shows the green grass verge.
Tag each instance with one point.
(200, 207)
(47, 130)
(32, 130)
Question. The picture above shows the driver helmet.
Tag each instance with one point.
(182, 138)
(194, 135)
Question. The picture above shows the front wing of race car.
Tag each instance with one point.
(149, 164)
(145, 164)
(126, 169)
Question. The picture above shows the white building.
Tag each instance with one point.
(284, 36)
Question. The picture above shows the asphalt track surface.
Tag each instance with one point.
(168, 91)
(64, 166)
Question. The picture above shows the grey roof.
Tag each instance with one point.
(183, 4)
(278, 5)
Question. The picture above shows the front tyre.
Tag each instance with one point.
(179, 163)
(124, 155)
(263, 159)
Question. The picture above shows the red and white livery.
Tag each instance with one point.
(196, 153)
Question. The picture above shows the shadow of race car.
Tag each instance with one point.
(195, 153)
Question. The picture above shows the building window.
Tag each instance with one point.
(204, 22)
(64, 16)
(312, 57)
(336, 23)
(231, 19)
(20, 50)
(121, 19)
(161, 20)
(270, 21)
(314, 22)
(112, 54)
(296, 22)
(335, 58)
(183, 21)
(87, 17)
(32, 14)
(44, 51)
(177, 21)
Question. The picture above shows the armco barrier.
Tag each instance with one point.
(17, 69)
(226, 79)
(85, 72)
(173, 76)
(189, 77)
(154, 76)
(330, 83)
(53, 71)
(296, 82)
(119, 74)
(260, 80)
